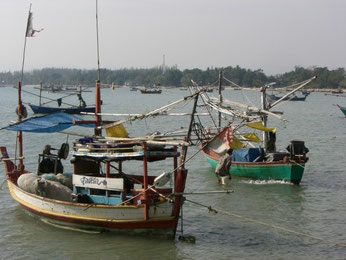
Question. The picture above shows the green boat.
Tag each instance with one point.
(256, 164)
(288, 169)
(343, 109)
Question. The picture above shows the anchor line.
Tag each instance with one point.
(215, 211)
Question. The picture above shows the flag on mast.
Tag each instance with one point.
(30, 31)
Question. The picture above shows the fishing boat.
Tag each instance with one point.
(151, 91)
(102, 197)
(98, 195)
(343, 109)
(250, 160)
(338, 91)
(70, 110)
(255, 163)
(44, 109)
(293, 97)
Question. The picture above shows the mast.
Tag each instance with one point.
(20, 107)
(188, 137)
(19, 133)
(220, 97)
(97, 90)
(26, 32)
(40, 93)
(264, 116)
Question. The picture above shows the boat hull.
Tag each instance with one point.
(151, 91)
(343, 110)
(285, 171)
(98, 217)
(51, 110)
(295, 98)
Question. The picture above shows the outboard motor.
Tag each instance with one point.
(297, 149)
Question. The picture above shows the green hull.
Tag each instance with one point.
(343, 110)
(285, 171)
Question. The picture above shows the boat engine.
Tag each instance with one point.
(297, 149)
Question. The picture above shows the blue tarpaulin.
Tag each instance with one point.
(45, 124)
(247, 154)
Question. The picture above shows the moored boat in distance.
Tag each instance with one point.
(44, 109)
(293, 97)
(151, 91)
(69, 110)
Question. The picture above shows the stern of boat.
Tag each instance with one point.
(12, 171)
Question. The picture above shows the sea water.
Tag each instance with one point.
(316, 207)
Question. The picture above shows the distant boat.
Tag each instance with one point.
(305, 92)
(209, 90)
(343, 109)
(42, 109)
(151, 91)
(133, 89)
(68, 110)
(290, 98)
(339, 91)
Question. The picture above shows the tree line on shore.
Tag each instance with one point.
(172, 76)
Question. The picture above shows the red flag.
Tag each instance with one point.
(30, 31)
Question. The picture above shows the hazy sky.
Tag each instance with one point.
(273, 35)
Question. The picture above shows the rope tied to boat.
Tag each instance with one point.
(213, 210)
(2, 183)
(294, 162)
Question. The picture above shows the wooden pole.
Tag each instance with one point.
(175, 162)
(97, 109)
(40, 94)
(22, 76)
(19, 133)
(264, 117)
(145, 180)
(220, 97)
(188, 137)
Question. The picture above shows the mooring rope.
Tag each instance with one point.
(292, 161)
(215, 211)
(2, 184)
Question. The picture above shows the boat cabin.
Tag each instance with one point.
(98, 176)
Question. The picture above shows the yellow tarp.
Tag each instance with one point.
(259, 126)
(236, 144)
(252, 137)
(117, 131)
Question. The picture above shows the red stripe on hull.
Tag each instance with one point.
(149, 224)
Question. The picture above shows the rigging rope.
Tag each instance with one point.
(51, 99)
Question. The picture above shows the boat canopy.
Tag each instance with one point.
(46, 124)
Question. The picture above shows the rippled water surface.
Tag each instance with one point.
(316, 207)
